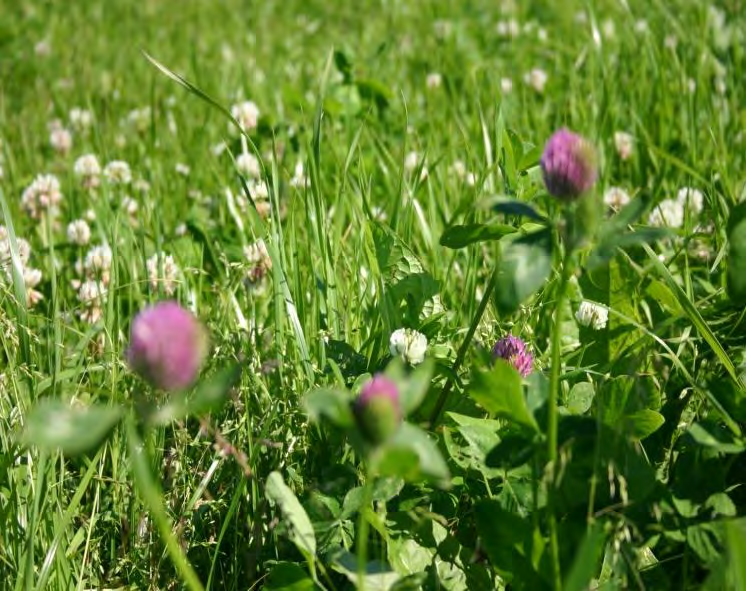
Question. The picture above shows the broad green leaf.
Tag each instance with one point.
(587, 561)
(415, 387)
(580, 398)
(54, 424)
(524, 266)
(332, 403)
(514, 449)
(209, 395)
(499, 392)
(613, 240)
(722, 443)
(735, 540)
(299, 527)
(507, 538)
(413, 456)
(461, 236)
(377, 576)
(288, 576)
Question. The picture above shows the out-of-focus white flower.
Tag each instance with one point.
(542, 35)
(61, 140)
(434, 80)
(80, 119)
(130, 207)
(248, 165)
(90, 215)
(458, 168)
(509, 28)
(91, 295)
(616, 198)
(669, 212)
(181, 230)
(693, 198)
(247, 115)
(258, 260)
(720, 86)
(141, 186)
(641, 26)
(182, 169)
(88, 169)
(536, 78)
(592, 315)
(608, 29)
(140, 119)
(97, 263)
(408, 344)
(43, 48)
(32, 278)
(506, 85)
(412, 161)
(299, 179)
(42, 195)
(671, 42)
(168, 277)
(118, 172)
(79, 232)
(624, 144)
(218, 149)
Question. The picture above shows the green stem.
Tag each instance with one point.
(363, 527)
(153, 499)
(553, 418)
(461, 355)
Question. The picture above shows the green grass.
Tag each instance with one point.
(342, 88)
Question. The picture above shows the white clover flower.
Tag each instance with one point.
(181, 230)
(90, 215)
(140, 119)
(118, 172)
(592, 315)
(88, 169)
(412, 161)
(616, 198)
(79, 232)
(130, 207)
(608, 29)
(43, 48)
(91, 295)
(32, 278)
(509, 28)
(624, 144)
(434, 80)
(97, 262)
(141, 186)
(42, 195)
(299, 177)
(182, 169)
(669, 212)
(693, 198)
(248, 165)
(536, 78)
(408, 344)
(61, 140)
(671, 42)
(168, 277)
(258, 259)
(506, 85)
(641, 26)
(80, 119)
(247, 115)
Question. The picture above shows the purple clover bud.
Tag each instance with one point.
(569, 165)
(514, 351)
(167, 346)
(377, 409)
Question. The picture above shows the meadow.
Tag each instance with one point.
(372, 295)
